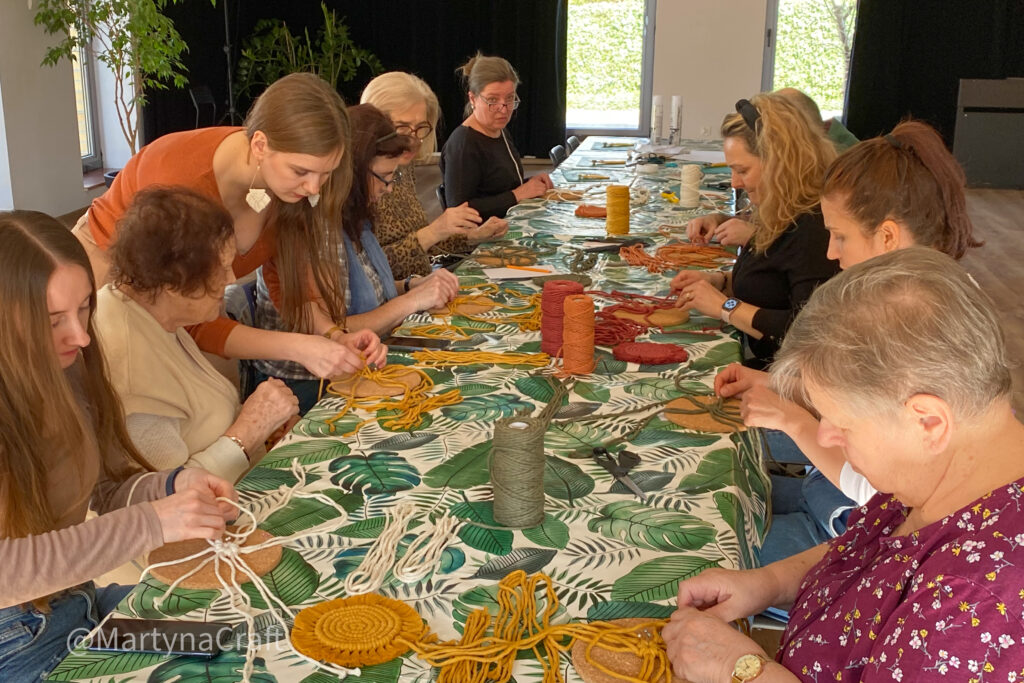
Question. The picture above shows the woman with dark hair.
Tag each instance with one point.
(479, 162)
(170, 264)
(64, 449)
(375, 300)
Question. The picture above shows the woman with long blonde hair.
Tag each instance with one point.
(282, 177)
(779, 159)
(64, 449)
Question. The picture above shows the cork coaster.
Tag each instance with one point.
(260, 562)
(662, 317)
(622, 663)
(702, 422)
(475, 306)
(367, 387)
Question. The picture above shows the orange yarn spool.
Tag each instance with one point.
(618, 209)
(578, 335)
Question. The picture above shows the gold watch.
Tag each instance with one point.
(747, 668)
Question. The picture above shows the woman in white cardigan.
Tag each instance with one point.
(170, 264)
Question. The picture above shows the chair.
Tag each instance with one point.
(557, 155)
(572, 143)
(440, 196)
(202, 96)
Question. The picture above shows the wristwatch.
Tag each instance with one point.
(747, 668)
(727, 308)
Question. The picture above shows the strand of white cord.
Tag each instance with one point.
(372, 571)
(424, 553)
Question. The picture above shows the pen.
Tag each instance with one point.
(717, 164)
(532, 270)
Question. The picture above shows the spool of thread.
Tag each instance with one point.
(617, 222)
(551, 313)
(578, 335)
(689, 186)
(517, 471)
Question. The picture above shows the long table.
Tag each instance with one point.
(609, 554)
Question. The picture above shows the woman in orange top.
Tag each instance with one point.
(283, 178)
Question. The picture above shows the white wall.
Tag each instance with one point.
(710, 52)
(39, 150)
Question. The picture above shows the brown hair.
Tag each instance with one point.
(481, 71)
(396, 90)
(170, 238)
(794, 155)
(907, 176)
(302, 114)
(373, 135)
(39, 412)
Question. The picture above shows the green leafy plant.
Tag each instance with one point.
(132, 38)
(272, 51)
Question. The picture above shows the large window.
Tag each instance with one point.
(609, 64)
(88, 113)
(809, 48)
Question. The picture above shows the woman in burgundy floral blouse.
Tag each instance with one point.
(903, 358)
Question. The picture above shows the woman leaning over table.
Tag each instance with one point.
(170, 264)
(374, 299)
(928, 580)
(401, 225)
(479, 162)
(779, 158)
(280, 177)
(63, 449)
(887, 193)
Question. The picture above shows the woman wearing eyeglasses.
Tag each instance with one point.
(479, 162)
(374, 299)
(401, 226)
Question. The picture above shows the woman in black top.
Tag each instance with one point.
(479, 162)
(780, 160)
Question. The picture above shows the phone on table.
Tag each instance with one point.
(165, 637)
(415, 343)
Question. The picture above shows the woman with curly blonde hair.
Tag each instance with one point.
(779, 159)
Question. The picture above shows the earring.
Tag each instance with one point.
(257, 198)
(314, 199)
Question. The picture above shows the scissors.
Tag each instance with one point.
(620, 470)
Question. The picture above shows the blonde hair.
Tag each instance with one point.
(794, 155)
(481, 71)
(39, 411)
(302, 114)
(395, 91)
(908, 322)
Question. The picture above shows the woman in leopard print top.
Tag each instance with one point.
(401, 226)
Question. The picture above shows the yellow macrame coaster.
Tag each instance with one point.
(357, 631)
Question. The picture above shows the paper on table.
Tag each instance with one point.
(703, 156)
(517, 274)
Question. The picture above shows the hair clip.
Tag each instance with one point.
(384, 138)
(749, 113)
(893, 141)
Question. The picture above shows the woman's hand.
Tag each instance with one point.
(533, 187)
(434, 290)
(493, 228)
(737, 378)
(367, 345)
(700, 294)
(326, 357)
(703, 647)
(702, 228)
(762, 407)
(733, 233)
(457, 220)
(729, 594)
(268, 408)
(193, 510)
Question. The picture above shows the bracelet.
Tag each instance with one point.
(334, 328)
(238, 442)
(408, 282)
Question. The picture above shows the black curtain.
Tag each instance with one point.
(429, 38)
(909, 55)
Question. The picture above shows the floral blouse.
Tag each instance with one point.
(943, 603)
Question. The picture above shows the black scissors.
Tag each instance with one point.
(620, 469)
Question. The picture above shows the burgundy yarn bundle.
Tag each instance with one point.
(552, 304)
(650, 353)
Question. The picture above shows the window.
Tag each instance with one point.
(808, 47)
(610, 57)
(88, 112)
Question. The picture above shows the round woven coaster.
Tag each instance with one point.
(367, 387)
(701, 422)
(574, 277)
(478, 305)
(662, 317)
(488, 260)
(622, 663)
(564, 195)
(260, 562)
(356, 631)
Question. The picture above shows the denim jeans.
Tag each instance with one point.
(306, 390)
(32, 643)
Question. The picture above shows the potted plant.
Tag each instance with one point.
(132, 38)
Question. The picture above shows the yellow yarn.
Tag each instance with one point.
(413, 403)
(527, 317)
(443, 359)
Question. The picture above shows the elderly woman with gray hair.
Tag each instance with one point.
(903, 358)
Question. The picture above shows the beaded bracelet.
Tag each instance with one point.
(238, 442)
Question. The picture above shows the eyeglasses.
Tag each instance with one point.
(395, 177)
(495, 105)
(420, 132)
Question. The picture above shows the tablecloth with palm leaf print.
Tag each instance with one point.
(609, 554)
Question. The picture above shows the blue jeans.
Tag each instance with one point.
(32, 643)
(306, 390)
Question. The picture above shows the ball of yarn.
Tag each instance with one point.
(650, 353)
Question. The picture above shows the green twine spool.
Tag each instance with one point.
(517, 471)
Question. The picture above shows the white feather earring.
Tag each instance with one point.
(257, 198)
(314, 199)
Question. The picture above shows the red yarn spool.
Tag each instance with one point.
(650, 353)
(578, 335)
(551, 313)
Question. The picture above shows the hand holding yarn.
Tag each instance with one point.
(456, 220)
(704, 648)
(493, 228)
(701, 228)
(194, 511)
(533, 187)
(325, 357)
(266, 409)
(367, 344)
(762, 407)
(733, 233)
(737, 378)
(434, 291)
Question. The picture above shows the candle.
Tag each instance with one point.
(657, 116)
(677, 112)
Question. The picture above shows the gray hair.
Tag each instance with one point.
(908, 322)
(481, 71)
(396, 90)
